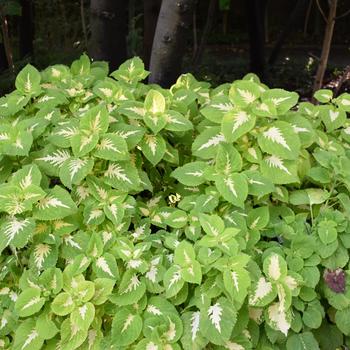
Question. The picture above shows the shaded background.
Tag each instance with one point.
(216, 40)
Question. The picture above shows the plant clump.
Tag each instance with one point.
(136, 217)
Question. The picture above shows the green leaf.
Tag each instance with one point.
(275, 267)
(213, 225)
(236, 283)
(237, 123)
(121, 175)
(262, 293)
(258, 218)
(258, 185)
(342, 320)
(131, 289)
(74, 170)
(301, 341)
(177, 122)
(217, 108)
(280, 140)
(63, 304)
(191, 174)
(218, 320)
(279, 171)
(327, 231)
(154, 102)
(16, 232)
(244, 92)
(192, 338)
(83, 316)
(28, 80)
(153, 147)
(103, 289)
(126, 327)
(323, 95)
(309, 196)
(173, 281)
(283, 100)
(333, 118)
(29, 302)
(45, 326)
(312, 317)
(57, 204)
(233, 188)
(81, 66)
(112, 147)
(343, 101)
(27, 337)
(205, 145)
(228, 159)
(131, 71)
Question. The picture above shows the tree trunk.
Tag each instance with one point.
(169, 42)
(207, 28)
(327, 40)
(6, 40)
(26, 28)
(151, 11)
(256, 29)
(109, 26)
(3, 59)
(288, 29)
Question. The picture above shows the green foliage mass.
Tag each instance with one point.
(136, 217)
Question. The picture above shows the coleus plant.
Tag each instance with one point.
(136, 217)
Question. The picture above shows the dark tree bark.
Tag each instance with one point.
(3, 60)
(327, 41)
(109, 27)
(256, 29)
(169, 42)
(151, 11)
(287, 30)
(207, 28)
(26, 28)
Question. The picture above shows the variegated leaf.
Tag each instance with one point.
(27, 337)
(153, 147)
(283, 100)
(112, 147)
(233, 188)
(126, 327)
(280, 140)
(131, 289)
(191, 174)
(192, 338)
(279, 171)
(57, 204)
(217, 108)
(83, 316)
(177, 122)
(275, 267)
(236, 123)
(206, 143)
(122, 176)
(29, 302)
(218, 320)
(278, 318)
(74, 170)
(16, 231)
(262, 293)
(244, 92)
(61, 135)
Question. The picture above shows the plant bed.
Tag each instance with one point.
(135, 217)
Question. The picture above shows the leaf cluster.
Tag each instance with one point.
(136, 217)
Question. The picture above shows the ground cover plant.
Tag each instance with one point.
(136, 217)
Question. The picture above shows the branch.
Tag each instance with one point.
(321, 11)
(343, 15)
